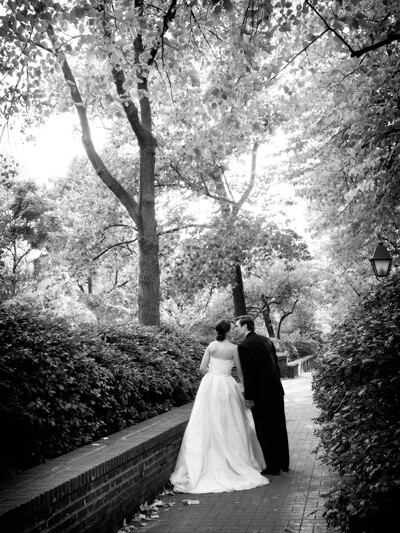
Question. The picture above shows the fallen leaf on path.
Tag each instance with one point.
(191, 502)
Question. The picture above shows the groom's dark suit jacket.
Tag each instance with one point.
(262, 384)
(260, 367)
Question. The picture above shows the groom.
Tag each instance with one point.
(263, 393)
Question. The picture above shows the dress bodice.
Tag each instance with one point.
(221, 367)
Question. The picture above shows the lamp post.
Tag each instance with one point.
(381, 261)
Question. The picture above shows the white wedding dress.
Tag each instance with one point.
(220, 451)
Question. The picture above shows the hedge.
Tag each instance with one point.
(357, 388)
(297, 348)
(62, 388)
(306, 347)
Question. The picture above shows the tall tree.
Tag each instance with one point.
(94, 44)
(97, 241)
(207, 260)
(26, 220)
(344, 127)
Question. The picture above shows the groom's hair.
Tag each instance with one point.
(248, 320)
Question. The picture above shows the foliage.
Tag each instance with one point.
(63, 387)
(187, 80)
(304, 322)
(213, 75)
(344, 128)
(296, 294)
(306, 347)
(26, 220)
(357, 388)
(108, 57)
(287, 347)
(296, 347)
(207, 259)
(93, 250)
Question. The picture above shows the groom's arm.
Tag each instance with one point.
(249, 372)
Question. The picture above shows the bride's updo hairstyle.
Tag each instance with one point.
(222, 327)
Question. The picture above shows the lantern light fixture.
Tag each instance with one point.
(381, 261)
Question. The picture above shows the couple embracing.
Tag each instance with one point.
(236, 434)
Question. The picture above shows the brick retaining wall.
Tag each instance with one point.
(93, 488)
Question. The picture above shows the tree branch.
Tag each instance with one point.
(299, 53)
(205, 189)
(180, 228)
(117, 285)
(285, 315)
(356, 53)
(391, 37)
(330, 27)
(101, 170)
(130, 109)
(113, 246)
(251, 183)
(120, 226)
(142, 74)
(20, 258)
(168, 17)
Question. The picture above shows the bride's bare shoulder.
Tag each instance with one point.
(213, 346)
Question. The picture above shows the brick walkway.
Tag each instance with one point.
(292, 502)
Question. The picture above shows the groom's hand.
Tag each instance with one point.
(249, 404)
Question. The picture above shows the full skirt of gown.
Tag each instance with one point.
(220, 451)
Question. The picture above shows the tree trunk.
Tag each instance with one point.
(266, 312)
(239, 299)
(149, 282)
(285, 315)
(149, 270)
(141, 212)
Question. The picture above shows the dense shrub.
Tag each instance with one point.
(306, 347)
(287, 347)
(297, 347)
(61, 388)
(357, 388)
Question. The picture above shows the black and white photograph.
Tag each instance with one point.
(199, 266)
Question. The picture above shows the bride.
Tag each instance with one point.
(220, 451)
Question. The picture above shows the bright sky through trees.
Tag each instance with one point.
(46, 152)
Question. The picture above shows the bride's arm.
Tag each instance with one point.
(238, 365)
(205, 361)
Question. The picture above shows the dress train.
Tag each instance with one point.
(220, 451)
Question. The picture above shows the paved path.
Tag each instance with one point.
(291, 503)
